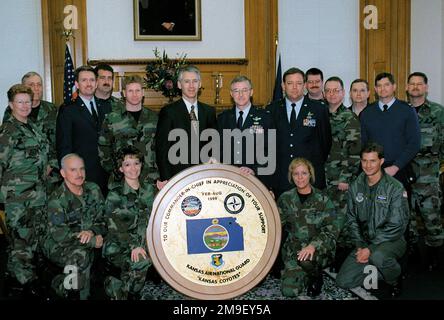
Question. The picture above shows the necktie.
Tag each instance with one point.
(94, 113)
(194, 121)
(293, 116)
(385, 107)
(240, 120)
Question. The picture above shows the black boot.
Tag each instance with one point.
(314, 287)
(396, 288)
(14, 289)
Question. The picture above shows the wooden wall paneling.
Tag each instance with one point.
(259, 63)
(229, 68)
(260, 36)
(386, 49)
(54, 43)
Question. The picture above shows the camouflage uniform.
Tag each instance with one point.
(69, 214)
(313, 222)
(128, 212)
(23, 162)
(119, 129)
(46, 123)
(343, 163)
(426, 193)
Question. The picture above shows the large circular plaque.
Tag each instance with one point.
(213, 232)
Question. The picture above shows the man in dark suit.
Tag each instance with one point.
(252, 122)
(78, 126)
(303, 130)
(179, 115)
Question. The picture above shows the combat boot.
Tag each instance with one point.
(314, 287)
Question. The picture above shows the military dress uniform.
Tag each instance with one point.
(69, 214)
(343, 163)
(426, 192)
(46, 123)
(377, 218)
(256, 124)
(310, 139)
(120, 129)
(23, 161)
(313, 222)
(127, 212)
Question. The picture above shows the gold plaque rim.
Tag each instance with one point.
(263, 266)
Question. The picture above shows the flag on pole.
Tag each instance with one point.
(69, 88)
(277, 92)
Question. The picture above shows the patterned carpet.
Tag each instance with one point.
(267, 290)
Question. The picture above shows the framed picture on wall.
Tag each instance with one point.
(170, 20)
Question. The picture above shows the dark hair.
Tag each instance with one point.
(293, 71)
(103, 66)
(314, 72)
(128, 151)
(373, 147)
(17, 89)
(383, 75)
(360, 81)
(418, 74)
(83, 68)
(337, 79)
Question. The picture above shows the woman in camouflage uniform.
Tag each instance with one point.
(23, 162)
(128, 207)
(309, 220)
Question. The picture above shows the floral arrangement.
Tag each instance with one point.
(162, 74)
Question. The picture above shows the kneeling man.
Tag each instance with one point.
(377, 216)
(76, 228)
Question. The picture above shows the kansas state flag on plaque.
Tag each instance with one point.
(214, 235)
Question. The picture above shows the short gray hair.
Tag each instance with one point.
(68, 156)
(238, 79)
(29, 75)
(189, 68)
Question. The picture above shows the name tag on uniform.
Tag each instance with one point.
(381, 199)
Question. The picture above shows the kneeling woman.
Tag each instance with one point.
(128, 207)
(309, 220)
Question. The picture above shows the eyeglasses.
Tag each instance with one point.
(27, 102)
(241, 91)
(333, 91)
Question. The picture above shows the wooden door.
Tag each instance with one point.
(54, 44)
(387, 48)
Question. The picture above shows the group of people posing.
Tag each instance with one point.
(78, 182)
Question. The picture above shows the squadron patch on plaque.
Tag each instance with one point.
(217, 260)
(234, 203)
(191, 206)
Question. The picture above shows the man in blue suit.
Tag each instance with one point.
(303, 130)
(78, 126)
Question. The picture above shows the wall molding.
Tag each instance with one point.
(205, 61)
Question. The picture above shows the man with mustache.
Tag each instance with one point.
(76, 227)
(314, 82)
(78, 125)
(105, 82)
(426, 193)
